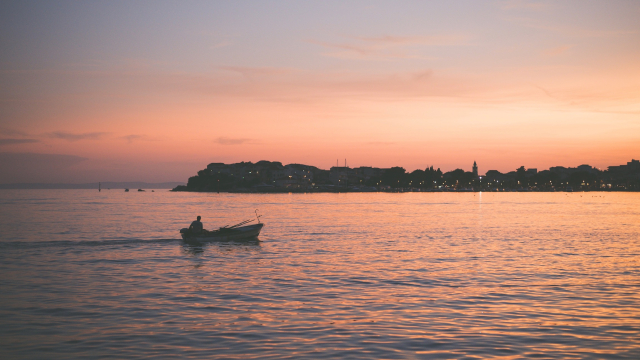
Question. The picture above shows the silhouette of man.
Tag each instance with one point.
(196, 226)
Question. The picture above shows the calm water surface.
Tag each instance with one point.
(364, 276)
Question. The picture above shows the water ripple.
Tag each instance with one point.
(394, 276)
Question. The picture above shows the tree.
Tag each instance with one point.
(395, 177)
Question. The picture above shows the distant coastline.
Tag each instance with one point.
(273, 177)
(104, 185)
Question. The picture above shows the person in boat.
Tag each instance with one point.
(196, 226)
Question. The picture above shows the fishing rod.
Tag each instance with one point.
(243, 222)
(238, 224)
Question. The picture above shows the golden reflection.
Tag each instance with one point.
(518, 275)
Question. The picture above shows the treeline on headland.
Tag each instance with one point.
(272, 176)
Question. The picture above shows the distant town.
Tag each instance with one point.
(272, 176)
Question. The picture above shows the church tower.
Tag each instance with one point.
(475, 169)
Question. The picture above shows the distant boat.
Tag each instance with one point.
(140, 190)
(126, 190)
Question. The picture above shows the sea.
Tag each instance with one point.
(105, 275)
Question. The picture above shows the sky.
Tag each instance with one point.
(156, 90)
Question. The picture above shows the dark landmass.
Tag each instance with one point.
(272, 177)
(104, 185)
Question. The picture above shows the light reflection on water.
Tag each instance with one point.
(419, 275)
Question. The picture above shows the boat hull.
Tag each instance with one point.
(240, 233)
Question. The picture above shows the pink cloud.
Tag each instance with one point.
(558, 50)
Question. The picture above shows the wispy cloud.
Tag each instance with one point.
(568, 30)
(617, 112)
(256, 71)
(34, 167)
(598, 102)
(314, 88)
(422, 75)
(131, 138)
(546, 92)
(17, 141)
(220, 44)
(359, 49)
(558, 50)
(223, 140)
(12, 132)
(429, 40)
(525, 4)
(388, 46)
(76, 137)
(380, 143)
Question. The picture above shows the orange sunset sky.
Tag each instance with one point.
(155, 90)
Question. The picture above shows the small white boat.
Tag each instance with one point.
(224, 234)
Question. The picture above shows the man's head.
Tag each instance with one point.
(199, 218)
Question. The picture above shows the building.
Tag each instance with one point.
(339, 175)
